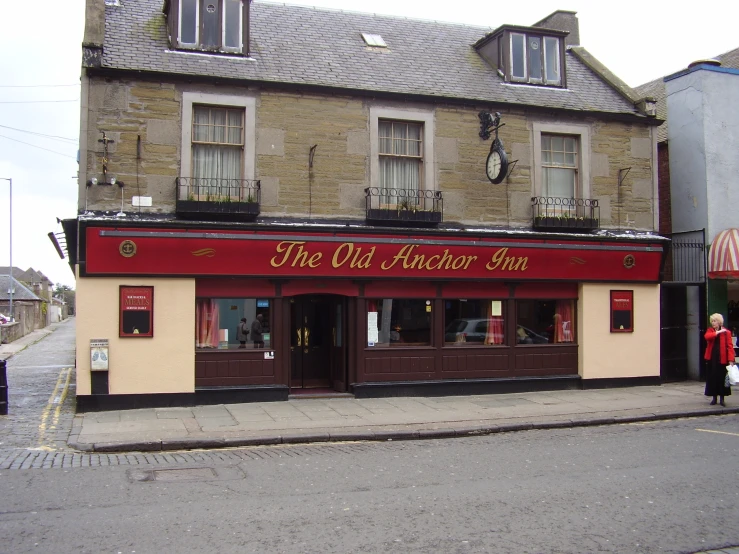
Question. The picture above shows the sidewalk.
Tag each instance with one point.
(349, 419)
(12, 348)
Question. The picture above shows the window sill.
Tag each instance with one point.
(536, 85)
(210, 54)
(452, 345)
(404, 345)
(555, 344)
(232, 349)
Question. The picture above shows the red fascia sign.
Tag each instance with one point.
(230, 253)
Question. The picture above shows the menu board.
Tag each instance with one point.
(372, 334)
(622, 311)
(136, 317)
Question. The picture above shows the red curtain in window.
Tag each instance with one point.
(563, 323)
(495, 327)
(206, 323)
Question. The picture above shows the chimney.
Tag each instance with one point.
(563, 20)
(92, 42)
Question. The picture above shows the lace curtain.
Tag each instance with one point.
(400, 159)
(217, 137)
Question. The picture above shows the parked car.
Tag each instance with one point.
(530, 337)
(466, 330)
(475, 330)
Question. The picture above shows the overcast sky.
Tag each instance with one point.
(40, 46)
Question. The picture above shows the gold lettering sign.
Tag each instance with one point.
(297, 254)
(508, 263)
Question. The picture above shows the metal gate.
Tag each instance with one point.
(681, 341)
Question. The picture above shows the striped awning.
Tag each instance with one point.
(723, 259)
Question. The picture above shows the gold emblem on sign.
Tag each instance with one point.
(576, 260)
(629, 261)
(127, 249)
(207, 252)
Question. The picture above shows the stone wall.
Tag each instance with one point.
(289, 124)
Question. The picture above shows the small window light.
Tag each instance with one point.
(374, 40)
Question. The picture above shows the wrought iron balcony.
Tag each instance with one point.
(565, 214)
(217, 199)
(408, 207)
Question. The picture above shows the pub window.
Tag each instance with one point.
(545, 321)
(474, 322)
(399, 322)
(217, 323)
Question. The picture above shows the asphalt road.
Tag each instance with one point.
(669, 486)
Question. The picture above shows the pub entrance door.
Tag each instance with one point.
(318, 342)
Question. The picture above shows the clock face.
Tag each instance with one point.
(494, 165)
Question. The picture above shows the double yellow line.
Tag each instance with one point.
(55, 403)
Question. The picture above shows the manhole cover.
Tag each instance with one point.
(184, 474)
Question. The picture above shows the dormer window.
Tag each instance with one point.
(209, 25)
(535, 59)
(526, 54)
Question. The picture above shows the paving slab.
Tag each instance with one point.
(397, 418)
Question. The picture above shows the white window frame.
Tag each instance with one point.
(248, 103)
(582, 132)
(543, 54)
(197, 26)
(558, 62)
(196, 45)
(525, 78)
(426, 119)
(240, 47)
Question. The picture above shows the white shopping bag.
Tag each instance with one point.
(733, 374)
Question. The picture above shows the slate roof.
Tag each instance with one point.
(20, 292)
(17, 272)
(30, 275)
(302, 46)
(657, 90)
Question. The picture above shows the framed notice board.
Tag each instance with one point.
(622, 311)
(136, 312)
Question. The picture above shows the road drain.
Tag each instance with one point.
(185, 474)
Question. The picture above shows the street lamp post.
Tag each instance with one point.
(10, 269)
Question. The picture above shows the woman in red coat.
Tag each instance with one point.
(719, 353)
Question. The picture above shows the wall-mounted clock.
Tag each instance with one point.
(496, 166)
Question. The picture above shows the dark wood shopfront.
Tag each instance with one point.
(322, 287)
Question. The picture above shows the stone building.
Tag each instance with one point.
(410, 207)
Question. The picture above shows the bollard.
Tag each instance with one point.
(3, 389)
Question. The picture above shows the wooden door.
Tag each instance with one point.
(338, 343)
(310, 342)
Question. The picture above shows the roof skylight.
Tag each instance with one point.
(374, 40)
